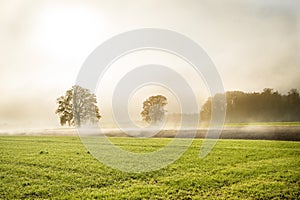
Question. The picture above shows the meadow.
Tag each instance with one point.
(60, 167)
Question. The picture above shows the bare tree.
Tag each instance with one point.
(78, 106)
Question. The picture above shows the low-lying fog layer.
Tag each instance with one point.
(243, 132)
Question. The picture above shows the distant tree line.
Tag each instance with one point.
(266, 106)
(79, 106)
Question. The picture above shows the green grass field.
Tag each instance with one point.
(60, 167)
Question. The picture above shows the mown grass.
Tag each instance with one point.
(61, 168)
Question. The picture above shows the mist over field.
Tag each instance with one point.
(253, 44)
(172, 99)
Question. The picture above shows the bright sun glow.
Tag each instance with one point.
(69, 32)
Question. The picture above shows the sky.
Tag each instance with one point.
(254, 44)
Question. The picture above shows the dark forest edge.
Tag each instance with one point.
(267, 106)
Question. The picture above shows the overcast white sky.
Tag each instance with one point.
(254, 44)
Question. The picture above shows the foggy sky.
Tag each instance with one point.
(254, 44)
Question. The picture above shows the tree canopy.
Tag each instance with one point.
(267, 106)
(78, 106)
(153, 109)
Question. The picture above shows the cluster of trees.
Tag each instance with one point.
(267, 106)
(79, 106)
